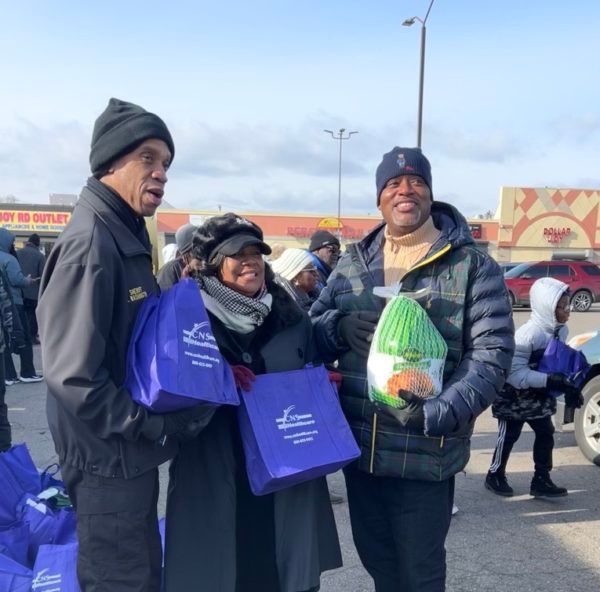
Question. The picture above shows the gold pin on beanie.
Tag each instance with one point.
(119, 129)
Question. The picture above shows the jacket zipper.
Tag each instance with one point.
(373, 434)
(427, 261)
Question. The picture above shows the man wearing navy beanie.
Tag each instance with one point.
(401, 489)
(95, 280)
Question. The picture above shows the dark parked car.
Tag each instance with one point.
(583, 278)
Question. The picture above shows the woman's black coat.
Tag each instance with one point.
(201, 547)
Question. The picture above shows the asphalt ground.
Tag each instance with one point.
(497, 544)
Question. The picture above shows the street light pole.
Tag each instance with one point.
(340, 136)
(407, 23)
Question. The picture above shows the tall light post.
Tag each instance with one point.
(407, 23)
(341, 137)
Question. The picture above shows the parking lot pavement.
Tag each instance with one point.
(495, 544)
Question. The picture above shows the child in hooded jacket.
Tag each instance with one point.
(525, 397)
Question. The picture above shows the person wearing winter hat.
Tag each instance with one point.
(220, 536)
(32, 263)
(297, 275)
(400, 491)
(171, 272)
(325, 250)
(94, 283)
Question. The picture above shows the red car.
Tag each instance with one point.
(582, 277)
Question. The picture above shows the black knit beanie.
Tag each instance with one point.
(121, 128)
(402, 161)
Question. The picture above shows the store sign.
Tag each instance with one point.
(330, 224)
(307, 232)
(475, 231)
(555, 235)
(34, 221)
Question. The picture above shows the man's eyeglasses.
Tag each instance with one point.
(332, 249)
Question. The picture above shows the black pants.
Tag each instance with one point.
(25, 352)
(509, 432)
(5, 433)
(117, 528)
(399, 528)
(30, 306)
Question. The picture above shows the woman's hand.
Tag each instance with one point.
(244, 377)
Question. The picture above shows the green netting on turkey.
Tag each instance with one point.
(407, 353)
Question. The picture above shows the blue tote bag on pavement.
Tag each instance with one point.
(173, 359)
(560, 357)
(18, 476)
(14, 542)
(293, 429)
(55, 569)
(14, 577)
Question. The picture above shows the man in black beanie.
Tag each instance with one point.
(95, 280)
(325, 250)
(32, 262)
(401, 489)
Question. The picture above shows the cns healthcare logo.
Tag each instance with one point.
(293, 420)
(200, 334)
(43, 580)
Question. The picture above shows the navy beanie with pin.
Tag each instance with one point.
(402, 161)
(120, 129)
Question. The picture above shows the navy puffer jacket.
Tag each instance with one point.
(468, 303)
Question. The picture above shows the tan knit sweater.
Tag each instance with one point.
(400, 253)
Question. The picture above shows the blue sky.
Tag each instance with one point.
(511, 95)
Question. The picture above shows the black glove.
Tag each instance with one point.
(356, 330)
(411, 416)
(574, 400)
(188, 423)
(559, 382)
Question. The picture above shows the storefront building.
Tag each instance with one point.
(537, 224)
(48, 221)
(531, 224)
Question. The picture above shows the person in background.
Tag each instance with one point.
(401, 489)
(96, 279)
(6, 320)
(170, 273)
(219, 536)
(525, 397)
(169, 252)
(277, 250)
(17, 281)
(297, 275)
(325, 249)
(32, 262)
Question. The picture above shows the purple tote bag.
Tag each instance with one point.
(293, 429)
(560, 357)
(173, 360)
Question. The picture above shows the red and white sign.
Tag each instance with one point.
(555, 235)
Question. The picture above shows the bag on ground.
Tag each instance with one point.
(14, 577)
(173, 359)
(14, 542)
(18, 476)
(407, 353)
(55, 569)
(293, 429)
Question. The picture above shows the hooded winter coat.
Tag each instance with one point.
(468, 303)
(206, 541)
(11, 266)
(524, 396)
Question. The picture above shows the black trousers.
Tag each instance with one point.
(25, 353)
(30, 306)
(5, 433)
(117, 528)
(509, 432)
(399, 528)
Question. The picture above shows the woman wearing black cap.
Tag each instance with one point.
(220, 537)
